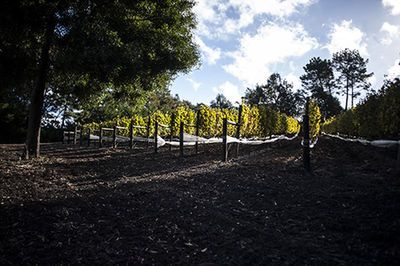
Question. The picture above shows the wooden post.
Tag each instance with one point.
(197, 131)
(101, 137)
(63, 137)
(181, 138)
(75, 133)
(306, 139)
(172, 130)
(88, 141)
(81, 137)
(156, 137)
(131, 135)
(398, 158)
(148, 133)
(238, 129)
(69, 137)
(225, 140)
(115, 137)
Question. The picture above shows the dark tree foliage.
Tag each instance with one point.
(13, 115)
(161, 99)
(84, 48)
(318, 76)
(277, 94)
(221, 102)
(319, 82)
(353, 76)
(376, 117)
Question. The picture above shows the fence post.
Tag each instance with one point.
(172, 130)
(88, 141)
(224, 139)
(69, 137)
(101, 137)
(115, 136)
(398, 158)
(156, 137)
(148, 133)
(238, 129)
(181, 138)
(197, 131)
(306, 139)
(131, 135)
(81, 137)
(75, 133)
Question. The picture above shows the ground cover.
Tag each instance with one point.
(104, 206)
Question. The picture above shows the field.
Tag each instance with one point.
(80, 205)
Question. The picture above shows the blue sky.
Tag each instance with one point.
(242, 42)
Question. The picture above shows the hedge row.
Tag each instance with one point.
(377, 117)
(256, 122)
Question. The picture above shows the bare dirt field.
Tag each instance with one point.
(80, 205)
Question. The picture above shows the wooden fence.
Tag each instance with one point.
(225, 147)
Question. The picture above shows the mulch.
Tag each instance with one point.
(85, 205)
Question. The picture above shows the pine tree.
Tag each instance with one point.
(353, 76)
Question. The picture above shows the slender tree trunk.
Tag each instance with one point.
(32, 148)
(63, 117)
(347, 94)
(352, 96)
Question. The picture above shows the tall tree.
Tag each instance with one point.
(84, 48)
(277, 93)
(221, 102)
(319, 82)
(353, 76)
(318, 76)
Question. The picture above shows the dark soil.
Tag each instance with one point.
(80, 205)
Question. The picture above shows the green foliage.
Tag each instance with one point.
(82, 50)
(277, 93)
(376, 117)
(314, 119)
(353, 76)
(13, 113)
(221, 102)
(318, 81)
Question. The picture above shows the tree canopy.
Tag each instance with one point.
(77, 50)
(319, 82)
(221, 102)
(277, 93)
(353, 76)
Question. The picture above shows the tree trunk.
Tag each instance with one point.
(32, 148)
(347, 94)
(63, 117)
(352, 96)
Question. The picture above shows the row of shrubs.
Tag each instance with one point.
(377, 117)
(255, 122)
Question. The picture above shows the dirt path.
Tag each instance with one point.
(101, 206)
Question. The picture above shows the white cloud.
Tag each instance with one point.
(394, 71)
(229, 90)
(372, 80)
(280, 8)
(393, 4)
(293, 79)
(344, 35)
(205, 13)
(271, 44)
(209, 54)
(392, 32)
(195, 84)
(214, 21)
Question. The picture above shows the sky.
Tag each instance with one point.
(242, 42)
